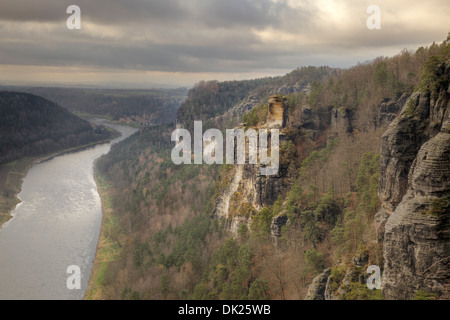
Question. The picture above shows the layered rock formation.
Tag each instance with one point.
(317, 289)
(413, 223)
(417, 235)
(277, 115)
(251, 189)
(326, 287)
(341, 119)
(388, 109)
(278, 222)
(234, 114)
(414, 189)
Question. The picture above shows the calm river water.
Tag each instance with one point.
(56, 225)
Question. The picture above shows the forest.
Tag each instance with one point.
(31, 125)
(168, 243)
(160, 104)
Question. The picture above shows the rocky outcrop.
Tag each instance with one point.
(250, 190)
(344, 119)
(233, 115)
(414, 189)
(340, 281)
(254, 189)
(341, 119)
(277, 225)
(277, 114)
(223, 203)
(260, 189)
(399, 147)
(417, 235)
(389, 109)
(297, 87)
(309, 119)
(316, 290)
(243, 107)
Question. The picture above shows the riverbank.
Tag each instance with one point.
(13, 173)
(109, 246)
(108, 250)
(88, 116)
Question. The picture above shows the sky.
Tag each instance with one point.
(151, 43)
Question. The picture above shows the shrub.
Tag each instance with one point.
(423, 295)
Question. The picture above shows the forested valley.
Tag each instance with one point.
(141, 106)
(31, 125)
(164, 238)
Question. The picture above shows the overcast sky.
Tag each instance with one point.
(141, 43)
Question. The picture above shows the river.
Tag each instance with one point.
(56, 225)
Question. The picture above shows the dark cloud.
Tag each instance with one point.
(38, 10)
(175, 35)
(101, 11)
(211, 13)
(246, 13)
(239, 36)
(153, 56)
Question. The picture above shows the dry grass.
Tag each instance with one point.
(108, 250)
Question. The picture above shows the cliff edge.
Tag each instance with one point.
(414, 189)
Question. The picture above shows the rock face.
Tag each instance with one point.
(234, 114)
(354, 273)
(417, 235)
(388, 109)
(277, 115)
(254, 189)
(399, 147)
(309, 120)
(414, 189)
(249, 188)
(260, 189)
(277, 225)
(223, 203)
(341, 119)
(316, 290)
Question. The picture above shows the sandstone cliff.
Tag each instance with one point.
(277, 114)
(413, 223)
(249, 190)
(414, 189)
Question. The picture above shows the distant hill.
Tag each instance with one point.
(224, 103)
(160, 105)
(31, 125)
